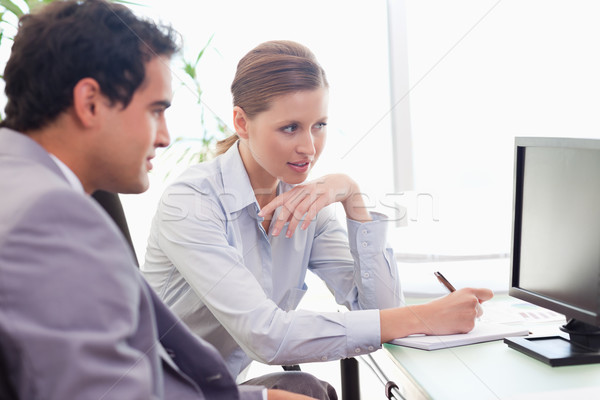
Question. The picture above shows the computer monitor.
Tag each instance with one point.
(555, 259)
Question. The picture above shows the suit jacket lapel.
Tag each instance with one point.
(196, 358)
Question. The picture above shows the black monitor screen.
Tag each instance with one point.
(560, 225)
(556, 226)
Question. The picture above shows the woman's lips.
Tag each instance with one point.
(299, 166)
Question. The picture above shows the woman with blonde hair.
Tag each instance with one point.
(233, 238)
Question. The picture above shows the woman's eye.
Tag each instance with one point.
(290, 128)
(320, 126)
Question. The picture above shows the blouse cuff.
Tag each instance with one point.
(368, 237)
(363, 332)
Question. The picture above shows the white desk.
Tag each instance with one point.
(490, 371)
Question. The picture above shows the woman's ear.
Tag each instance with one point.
(240, 122)
(86, 100)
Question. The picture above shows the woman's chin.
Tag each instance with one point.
(293, 180)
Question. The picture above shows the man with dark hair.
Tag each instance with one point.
(87, 85)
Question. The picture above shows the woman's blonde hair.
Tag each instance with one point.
(270, 70)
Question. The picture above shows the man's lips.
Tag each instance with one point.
(149, 163)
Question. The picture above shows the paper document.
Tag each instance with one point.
(483, 332)
(517, 311)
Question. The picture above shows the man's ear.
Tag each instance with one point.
(86, 101)
(240, 122)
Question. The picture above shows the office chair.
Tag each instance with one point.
(348, 367)
(7, 391)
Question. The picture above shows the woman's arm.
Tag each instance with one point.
(356, 263)
(372, 282)
(357, 266)
(454, 313)
(195, 236)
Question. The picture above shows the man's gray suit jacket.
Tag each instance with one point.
(77, 320)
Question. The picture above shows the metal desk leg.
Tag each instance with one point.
(350, 381)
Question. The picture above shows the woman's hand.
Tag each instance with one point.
(454, 313)
(306, 200)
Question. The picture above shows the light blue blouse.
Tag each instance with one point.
(210, 260)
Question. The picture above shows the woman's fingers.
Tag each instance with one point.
(303, 202)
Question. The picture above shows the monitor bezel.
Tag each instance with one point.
(570, 311)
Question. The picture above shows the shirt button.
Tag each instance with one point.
(364, 244)
(366, 275)
(364, 232)
(357, 350)
(371, 348)
(324, 358)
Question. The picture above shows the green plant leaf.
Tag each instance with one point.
(185, 153)
(11, 7)
(201, 53)
(189, 70)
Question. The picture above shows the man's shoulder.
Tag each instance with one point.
(22, 177)
(67, 217)
(39, 202)
(25, 184)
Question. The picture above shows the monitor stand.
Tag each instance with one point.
(582, 348)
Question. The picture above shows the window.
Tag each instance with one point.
(481, 73)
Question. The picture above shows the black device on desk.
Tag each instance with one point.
(556, 244)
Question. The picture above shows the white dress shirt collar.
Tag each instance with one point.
(238, 191)
(70, 175)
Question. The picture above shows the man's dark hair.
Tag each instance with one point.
(70, 40)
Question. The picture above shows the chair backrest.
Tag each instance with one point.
(7, 390)
(112, 204)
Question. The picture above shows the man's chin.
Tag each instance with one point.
(129, 188)
(141, 188)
